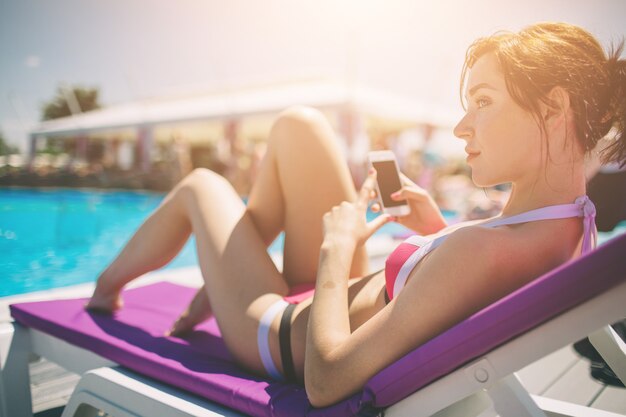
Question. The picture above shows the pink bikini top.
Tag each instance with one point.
(410, 252)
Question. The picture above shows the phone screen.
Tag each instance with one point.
(388, 182)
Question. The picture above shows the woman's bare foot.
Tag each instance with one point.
(104, 302)
(198, 311)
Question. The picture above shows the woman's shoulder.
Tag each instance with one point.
(521, 252)
(474, 233)
(477, 244)
(533, 235)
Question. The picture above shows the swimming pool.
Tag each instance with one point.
(51, 238)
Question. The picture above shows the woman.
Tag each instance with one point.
(537, 101)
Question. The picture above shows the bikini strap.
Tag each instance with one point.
(590, 236)
(582, 207)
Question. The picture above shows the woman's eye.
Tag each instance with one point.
(482, 102)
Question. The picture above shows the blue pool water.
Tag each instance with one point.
(54, 238)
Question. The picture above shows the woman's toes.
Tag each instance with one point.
(104, 304)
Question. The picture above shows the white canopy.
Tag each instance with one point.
(239, 102)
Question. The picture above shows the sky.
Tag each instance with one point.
(133, 49)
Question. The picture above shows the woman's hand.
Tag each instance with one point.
(346, 224)
(425, 217)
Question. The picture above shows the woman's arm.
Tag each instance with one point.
(345, 228)
(463, 275)
(329, 321)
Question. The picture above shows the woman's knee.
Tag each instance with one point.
(201, 180)
(303, 114)
(300, 124)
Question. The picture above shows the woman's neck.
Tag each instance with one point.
(529, 194)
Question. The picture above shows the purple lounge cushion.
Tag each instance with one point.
(202, 365)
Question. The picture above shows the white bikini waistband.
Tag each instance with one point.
(263, 338)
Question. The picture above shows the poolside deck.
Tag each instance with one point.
(563, 375)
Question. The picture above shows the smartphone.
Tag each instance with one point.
(388, 182)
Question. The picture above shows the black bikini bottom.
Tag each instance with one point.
(284, 338)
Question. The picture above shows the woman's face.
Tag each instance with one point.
(503, 140)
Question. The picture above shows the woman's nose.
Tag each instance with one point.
(463, 129)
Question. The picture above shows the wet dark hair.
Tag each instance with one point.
(546, 55)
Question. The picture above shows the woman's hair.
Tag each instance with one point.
(547, 55)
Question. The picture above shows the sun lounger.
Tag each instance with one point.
(466, 368)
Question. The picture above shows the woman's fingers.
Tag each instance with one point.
(410, 192)
(369, 186)
(350, 217)
(407, 191)
(377, 223)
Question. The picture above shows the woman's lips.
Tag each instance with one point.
(471, 155)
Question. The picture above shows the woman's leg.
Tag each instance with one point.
(157, 241)
(240, 278)
(241, 281)
(302, 176)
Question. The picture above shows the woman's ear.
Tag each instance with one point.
(556, 108)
